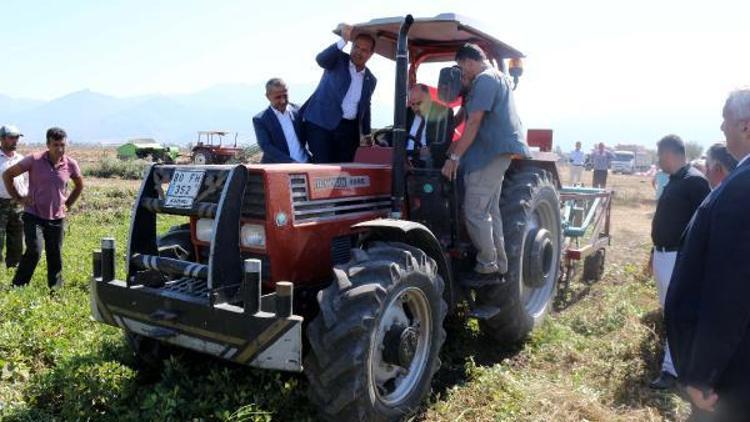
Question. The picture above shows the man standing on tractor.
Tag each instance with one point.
(337, 114)
(278, 128)
(493, 133)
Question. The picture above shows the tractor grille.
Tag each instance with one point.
(321, 209)
(306, 209)
(189, 286)
(254, 201)
(298, 186)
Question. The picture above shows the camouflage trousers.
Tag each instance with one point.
(11, 232)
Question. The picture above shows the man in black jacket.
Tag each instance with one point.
(683, 194)
(430, 127)
(708, 303)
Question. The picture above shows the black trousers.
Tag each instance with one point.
(333, 146)
(11, 232)
(40, 233)
(600, 179)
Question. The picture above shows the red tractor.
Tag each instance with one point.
(365, 258)
(212, 149)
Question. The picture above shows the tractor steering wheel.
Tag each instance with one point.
(383, 137)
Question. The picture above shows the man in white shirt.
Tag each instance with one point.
(577, 161)
(11, 225)
(278, 128)
(337, 115)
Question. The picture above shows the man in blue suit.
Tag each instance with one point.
(278, 128)
(707, 308)
(338, 112)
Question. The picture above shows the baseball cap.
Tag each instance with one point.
(9, 131)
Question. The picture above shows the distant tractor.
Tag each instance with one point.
(211, 148)
(147, 148)
(366, 258)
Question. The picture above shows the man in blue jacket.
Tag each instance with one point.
(278, 128)
(337, 114)
(707, 308)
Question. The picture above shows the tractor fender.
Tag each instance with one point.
(417, 235)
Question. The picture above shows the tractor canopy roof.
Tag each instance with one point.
(434, 39)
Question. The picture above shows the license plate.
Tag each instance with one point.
(183, 188)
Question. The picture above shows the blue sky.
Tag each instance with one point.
(663, 64)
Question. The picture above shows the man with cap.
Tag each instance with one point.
(11, 226)
(46, 205)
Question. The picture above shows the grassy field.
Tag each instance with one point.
(591, 360)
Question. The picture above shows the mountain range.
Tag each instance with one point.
(95, 118)
(91, 117)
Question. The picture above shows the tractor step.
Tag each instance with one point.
(484, 312)
(477, 281)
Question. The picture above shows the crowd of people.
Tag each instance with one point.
(335, 121)
(706, 310)
(699, 261)
(700, 230)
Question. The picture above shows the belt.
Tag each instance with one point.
(666, 248)
(6, 199)
(577, 165)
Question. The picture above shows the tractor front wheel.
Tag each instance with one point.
(375, 344)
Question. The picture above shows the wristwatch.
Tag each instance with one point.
(455, 157)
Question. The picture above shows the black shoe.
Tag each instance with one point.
(475, 280)
(665, 381)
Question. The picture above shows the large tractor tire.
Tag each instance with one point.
(374, 345)
(202, 157)
(530, 207)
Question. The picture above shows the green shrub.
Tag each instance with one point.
(112, 167)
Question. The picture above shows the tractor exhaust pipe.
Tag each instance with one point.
(398, 186)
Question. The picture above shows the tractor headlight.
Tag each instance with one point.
(253, 236)
(204, 229)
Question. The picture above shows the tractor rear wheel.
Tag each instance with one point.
(530, 207)
(374, 346)
(202, 157)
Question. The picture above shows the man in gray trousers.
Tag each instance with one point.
(493, 133)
